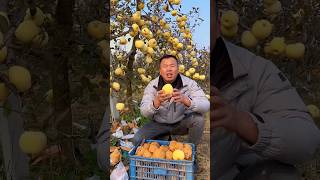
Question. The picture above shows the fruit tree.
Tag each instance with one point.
(53, 83)
(143, 31)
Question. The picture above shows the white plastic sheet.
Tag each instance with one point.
(119, 173)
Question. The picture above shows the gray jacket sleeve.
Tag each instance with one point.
(146, 108)
(103, 138)
(199, 101)
(286, 130)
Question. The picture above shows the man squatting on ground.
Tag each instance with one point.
(177, 114)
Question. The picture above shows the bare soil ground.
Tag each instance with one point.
(203, 152)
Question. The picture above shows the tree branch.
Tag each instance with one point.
(119, 35)
(129, 53)
(62, 116)
(46, 118)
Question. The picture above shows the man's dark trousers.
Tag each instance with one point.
(192, 124)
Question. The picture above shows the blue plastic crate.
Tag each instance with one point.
(152, 168)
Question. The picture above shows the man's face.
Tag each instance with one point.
(169, 69)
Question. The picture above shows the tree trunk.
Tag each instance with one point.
(62, 41)
(213, 24)
(130, 69)
(130, 74)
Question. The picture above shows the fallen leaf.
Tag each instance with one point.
(115, 157)
(112, 148)
(115, 126)
(49, 152)
(131, 125)
(125, 148)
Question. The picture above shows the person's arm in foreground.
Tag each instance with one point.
(279, 126)
(103, 139)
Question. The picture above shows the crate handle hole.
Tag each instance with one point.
(160, 171)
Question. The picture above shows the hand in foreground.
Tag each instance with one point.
(160, 98)
(178, 97)
(223, 114)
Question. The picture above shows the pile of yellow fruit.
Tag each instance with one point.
(174, 151)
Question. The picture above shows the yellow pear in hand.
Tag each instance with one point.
(167, 89)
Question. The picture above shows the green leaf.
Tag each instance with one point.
(113, 141)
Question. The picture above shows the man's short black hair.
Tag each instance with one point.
(168, 56)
